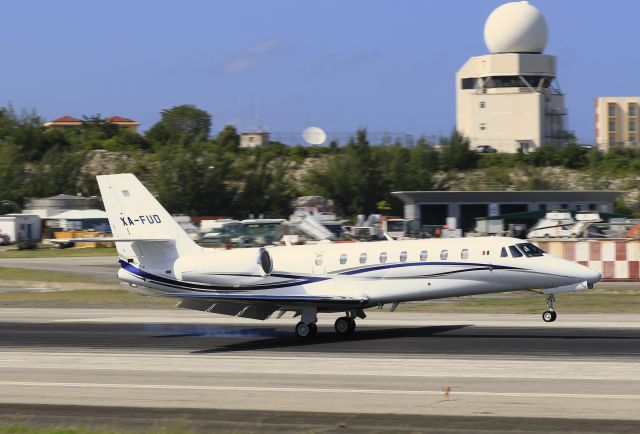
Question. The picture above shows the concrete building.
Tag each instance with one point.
(617, 121)
(94, 219)
(21, 227)
(254, 140)
(48, 206)
(509, 99)
(431, 208)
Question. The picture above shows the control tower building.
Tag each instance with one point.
(509, 99)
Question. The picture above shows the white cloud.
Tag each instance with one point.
(253, 57)
(267, 46)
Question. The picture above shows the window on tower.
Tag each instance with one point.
(468, 83)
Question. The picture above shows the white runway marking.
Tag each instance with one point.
(312, 390)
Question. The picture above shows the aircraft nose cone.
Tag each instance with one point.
(590, 275)
(594, 276)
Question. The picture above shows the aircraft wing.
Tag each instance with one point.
(258, 306)
(277, 299)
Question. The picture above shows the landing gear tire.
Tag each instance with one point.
(314, 329)
(306, 330)
(344, 325)
(549, 315)
(352, 325)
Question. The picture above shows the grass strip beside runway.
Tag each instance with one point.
(58, 253)
(32, 275)
(90, 298)
(66, 419)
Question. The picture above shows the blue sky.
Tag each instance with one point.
(287, 64)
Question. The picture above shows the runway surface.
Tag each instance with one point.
(581, 367)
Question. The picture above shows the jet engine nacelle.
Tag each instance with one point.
(226, 267)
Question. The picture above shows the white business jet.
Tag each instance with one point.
(158, 258)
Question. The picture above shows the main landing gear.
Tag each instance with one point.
(345, 325)
(549, 315)
(307, 328)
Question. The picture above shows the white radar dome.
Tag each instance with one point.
(516, 27)
(314, 136)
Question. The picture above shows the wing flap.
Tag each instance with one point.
(260, 311)
(195, 304)
(275, 299)
(226, 308)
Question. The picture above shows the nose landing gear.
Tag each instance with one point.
(549, 315)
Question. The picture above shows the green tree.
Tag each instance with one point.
(456, 153)
(352, 178)
(25, 130)
(180, 124)
(56, 173)
(424, 163)
(228, 140)
(264, 187)
(12, 172)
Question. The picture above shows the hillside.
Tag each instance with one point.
(194, 173)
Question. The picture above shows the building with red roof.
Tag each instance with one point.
(63, 122)
(71, 122)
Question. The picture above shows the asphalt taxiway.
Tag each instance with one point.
(581, 367)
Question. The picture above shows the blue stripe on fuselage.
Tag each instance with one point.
(300, 280)
(304, 280)
(366, 269)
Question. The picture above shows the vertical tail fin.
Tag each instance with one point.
(133, 212)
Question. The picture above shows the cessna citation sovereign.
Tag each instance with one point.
(158, 258)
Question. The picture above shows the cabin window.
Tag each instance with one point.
(383, 257)
(403, 256)
(319, 260)
(444, 255)
(503, 253)
(343, 258)
(363, 258)
(515, 252)
(464, 254)
(423, 255)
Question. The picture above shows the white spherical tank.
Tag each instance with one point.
(516, 27)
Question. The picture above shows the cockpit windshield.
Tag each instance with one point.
(530, 250)
(515, 252)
